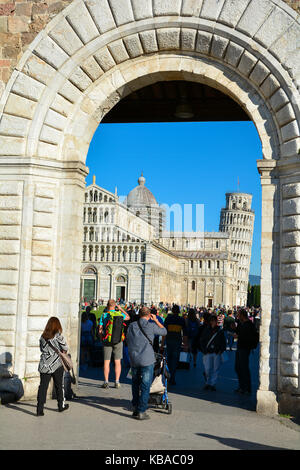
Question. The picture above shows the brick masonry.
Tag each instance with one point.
(21, 21)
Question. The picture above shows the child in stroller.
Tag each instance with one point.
(158, 391)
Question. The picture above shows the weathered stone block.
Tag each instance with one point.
(18, 24)
(39, 308)
(290, 319)
(289, 368)
(166, 7)
(9, 247)
(291, 222)
(290, 190)
(61, 105)
(191, 8)
(102, 15)
(218, 46)
(38, 69)
(7, 338)
(288, 384)
(285, 115)
(8, 322)
(20, 106)
(291, 148)
(273, 27)
(133, 45)
(10, 203)
(233, 54)
(270, 85)
(41, 263)
(66, 37)
(259, 73)
(203, 42)
(39, 293)
(105, 59)
(82, 23)
(290, 131)
(254, 15)
(168, 38)
(279, 99)
(289, 336)
(211, 9)
(55, 119)
(31, 369)
(80, 79)
(33, 354)
(92, 68)
(247, 63)
(149, 42)
(40, 278)
(8, 307)
(69, 91)
(41, 219)
(33, 339)
(291, 238)
(28, 87)
(42, 204)
(12, 188)
(118, 51)
(232, 12)
(41, 248)
(289, 352)
(52, 54)
(290, 302)
(291, 206)
(14, 125)
(188, 39)
(122, 11)
(290, 255)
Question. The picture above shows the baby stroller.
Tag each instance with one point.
(158, 391)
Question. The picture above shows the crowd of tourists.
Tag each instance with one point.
(134, 334)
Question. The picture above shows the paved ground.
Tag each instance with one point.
(101, 419)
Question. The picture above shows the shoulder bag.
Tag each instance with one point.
(64, 357)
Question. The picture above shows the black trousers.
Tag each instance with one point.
(58, 377)
(242, 369)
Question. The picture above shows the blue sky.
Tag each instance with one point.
(183, 163)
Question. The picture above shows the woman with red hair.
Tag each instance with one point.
(51, 342)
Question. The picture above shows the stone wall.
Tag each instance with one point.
(22, 20)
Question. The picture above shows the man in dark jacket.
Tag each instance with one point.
(247, 340)
(177, 333)
(139, 336)
(212, 344)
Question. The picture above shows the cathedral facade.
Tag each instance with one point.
(128, 255)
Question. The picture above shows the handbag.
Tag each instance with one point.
(157, 385)
(64, 357)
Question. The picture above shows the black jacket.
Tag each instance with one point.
(217, 345)
(247, 335)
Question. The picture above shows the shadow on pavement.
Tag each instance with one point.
(239, 444)
(190, 382)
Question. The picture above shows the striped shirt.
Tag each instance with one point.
(50, 360)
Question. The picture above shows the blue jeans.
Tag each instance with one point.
(173, 353)
(142, 378)
(229, 339)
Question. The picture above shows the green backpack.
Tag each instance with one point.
(113, 328)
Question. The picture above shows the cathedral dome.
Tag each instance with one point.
(140, 195)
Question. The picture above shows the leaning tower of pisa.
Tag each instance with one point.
(237, 219)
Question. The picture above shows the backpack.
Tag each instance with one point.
(114, 328)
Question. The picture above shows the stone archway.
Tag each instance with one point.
(89, 57)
